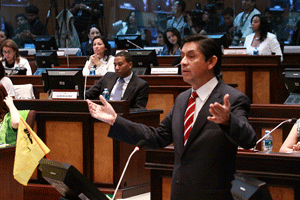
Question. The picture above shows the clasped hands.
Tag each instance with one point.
(95, 60)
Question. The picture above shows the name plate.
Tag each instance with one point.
(64, 95)
(164, 70)
(235, 51)
(61, 53)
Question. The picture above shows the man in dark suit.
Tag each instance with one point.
(205, 157)
(134, 89)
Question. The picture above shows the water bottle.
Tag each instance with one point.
(268, 142)
(92, 71)
(255, 51)
(105, 94)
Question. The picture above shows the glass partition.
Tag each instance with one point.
(151, 18)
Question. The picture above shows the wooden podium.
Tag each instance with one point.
(74, 137)
(10, 189)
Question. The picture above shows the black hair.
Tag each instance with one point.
(182, 4)
(20, 15)
(126, 55)
(175, 32)
(264, 26)
(138, 18)
(229, 11)
(209, 47)
(93, 26)
(107, 52)
(32, 9)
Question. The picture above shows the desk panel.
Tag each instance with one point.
(74, 137)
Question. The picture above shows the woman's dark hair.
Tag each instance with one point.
(264, 26)
(3, 107)
(2, 71)
(175, 32)
(10, 43)
(93, 26)
(107, 52)
(209, 47)
(138, 18)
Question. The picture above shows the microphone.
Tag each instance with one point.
(134, 44)
(139, 145)
(288, 120)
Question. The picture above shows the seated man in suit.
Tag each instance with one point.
(133, 88)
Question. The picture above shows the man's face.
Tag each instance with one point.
(228, 19)
(122, 67)
(176, 7)
(248, 5)
(195, 70)
(21, 20)
(31, 17)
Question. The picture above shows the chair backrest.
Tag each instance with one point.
(31, 118)
(24, 91)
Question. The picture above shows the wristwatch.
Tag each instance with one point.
(87, 7)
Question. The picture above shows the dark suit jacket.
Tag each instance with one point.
(137, 90)
(204, 168)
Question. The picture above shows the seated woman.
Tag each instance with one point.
(173, 42)
(6, 82)
(102, 59)
(10, 57)
(134, 22)
(86, 47)
(10, 117)
(266, 43)
(292, 142)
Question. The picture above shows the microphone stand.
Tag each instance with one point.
(288, 120)
(134, 44)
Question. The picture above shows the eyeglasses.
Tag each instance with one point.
(8, 52)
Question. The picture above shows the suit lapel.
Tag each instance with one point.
(110, 84)
(201, 120)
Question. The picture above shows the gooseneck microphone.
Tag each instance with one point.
(139, 145)
(288, 120)
(134, 44)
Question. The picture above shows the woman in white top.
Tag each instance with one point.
(6, 82)
(10, 57)
(101, 59)
(261, 40)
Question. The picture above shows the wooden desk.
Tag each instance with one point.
(280, 171)
(74, 137)
(10, 189)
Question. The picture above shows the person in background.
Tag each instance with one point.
(206, 125)
(265, 42)
(23, 25)
(242, 22)
(10, 118)
(37, 28)
(173, 42)
(178, 20)
(133, 88)
(86, 47)
(211, 20)
(85, 14)
(101, 59)
(6, 82)
(3, 36)
(227, 27)
(134, 22)
(160, 39)
(292, 142)
(10, 57)
(6, 27)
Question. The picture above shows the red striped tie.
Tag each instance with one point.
(189, 116)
